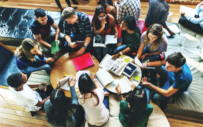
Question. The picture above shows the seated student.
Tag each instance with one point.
(62, 111)
(30, 58)
(25, 96)
(91, 98)
(103, 24)
(153, 43)
(77, 28)
(134, 111)
(41, 28)
(130, 37)
(177, 75)
(158, 13)
(198, 19)
(129, 7)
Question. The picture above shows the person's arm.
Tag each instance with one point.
(39, 39)
(74, 97)
(96, 32)
(57, 30)
(41, 103)
(166, 93)
(126, 50)
(154, 63)
(140, 50)
(118, 89)
(150, 54)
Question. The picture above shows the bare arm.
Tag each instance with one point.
(41, 103)
(68, 39)
(153, 53)
(57, 31)
(95, 30)
(140, 50)
(157, 63)
(39, 39)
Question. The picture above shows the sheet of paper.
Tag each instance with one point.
(188, 10)
(166, 32)
(138, 62)
(66, 86)
(124, 83)
(79, 73)
(107, 62)
(174, 28)
(65, 79)
(104, 77)
(110, 39)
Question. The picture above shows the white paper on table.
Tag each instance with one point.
(64, 82)
(124, 83)
(79, 73)
(138, 62)
(104, 77)
(107, 62)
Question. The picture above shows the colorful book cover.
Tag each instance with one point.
(54, 47)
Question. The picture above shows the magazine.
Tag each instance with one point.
(102, 41)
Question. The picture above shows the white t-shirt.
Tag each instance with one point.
(26, 98)
(95, 114)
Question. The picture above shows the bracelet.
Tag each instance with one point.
(95, 80)
(121, 53)
(151, 85)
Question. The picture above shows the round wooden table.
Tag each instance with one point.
(64, 66)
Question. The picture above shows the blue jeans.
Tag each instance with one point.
(45, 67)
(106, 100)
(164, 74)
(59, 5)
(147, 92)
(77, 37)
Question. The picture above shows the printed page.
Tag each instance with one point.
(107, 62)
(110, 39)
(99, 41)
(65, 79)
(104, 77)
(79, 73)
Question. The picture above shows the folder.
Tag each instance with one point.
(83, 62)
(54, 47)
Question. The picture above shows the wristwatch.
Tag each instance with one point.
(85, 47)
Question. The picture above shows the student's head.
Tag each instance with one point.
(137, 101)
(41, 16)
(60, 109)
(28, 48)
(128, 22)
(86, 85)
(154, 33)
(175, 61)
(69, 15)
(17, 80)
(100, 16)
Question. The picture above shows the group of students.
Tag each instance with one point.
(92, 101)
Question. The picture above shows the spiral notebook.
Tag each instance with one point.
(82, 62)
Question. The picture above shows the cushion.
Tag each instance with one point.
(190, 44)
(141, 25)
(194, 27)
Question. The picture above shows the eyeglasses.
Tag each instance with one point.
(101, 17)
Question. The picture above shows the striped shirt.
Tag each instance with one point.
(129, 7)
(83, 25)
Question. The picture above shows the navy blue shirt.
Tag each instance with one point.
(45, 30)
(182, 79)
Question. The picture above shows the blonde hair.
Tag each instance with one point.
(157, 30)
(25, 48)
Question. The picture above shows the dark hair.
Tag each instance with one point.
(61, 108)
(15, 80)
(39, 12)
(138, 102)
(86, 85)
(100, 9)
(176, 59)
(131, 23)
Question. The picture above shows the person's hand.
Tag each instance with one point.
(118, 89)
(50, 59)
(133, 86)
(58, 85)
(73, 45)
(106, 93)
(144, 82)
(80, 51)
(92, 76)
(58, 41)
(43, 86)
(72, 81)
(38, 52)
(143, 56)
(182, 13)
(133, 61)
(144, 65)
(116, 56)
(103, 24)
(116, 35)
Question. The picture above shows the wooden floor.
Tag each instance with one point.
(11, 114)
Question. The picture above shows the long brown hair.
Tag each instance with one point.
(24, 50)
(157, 30)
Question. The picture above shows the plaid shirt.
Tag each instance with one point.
(129, 7)
(83, 25)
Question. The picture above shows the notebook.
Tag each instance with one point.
(82, 62)
(54, 47)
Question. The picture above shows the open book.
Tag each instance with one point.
(102, 41)
(64, 82)
(104, 77)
